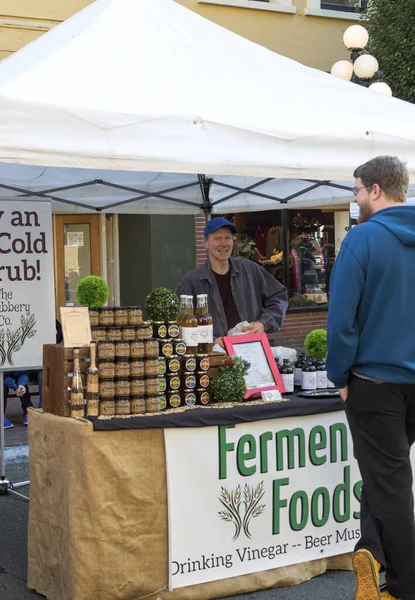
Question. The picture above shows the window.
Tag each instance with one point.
(338, 9)
(343, 5)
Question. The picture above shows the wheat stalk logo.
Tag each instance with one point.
(246, 500)
(16, 339)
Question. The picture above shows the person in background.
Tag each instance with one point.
(238, 289)
(371, 360)
(17, 381)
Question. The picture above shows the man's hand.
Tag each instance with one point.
(21, 390)
(219, 342)
(255, 327)
(344, 393)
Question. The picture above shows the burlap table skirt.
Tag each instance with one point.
(98, 519)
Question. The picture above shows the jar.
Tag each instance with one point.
(146, 331)
(159, 330)
(162, 365)
(120, 315)
(152, 403)
(106, 388)
(135, 315)
(114, 333)
(189, 381)
(106, 316)
(189, 397)
(137, 405)
(122, 405)
(203, 379)
(122, 367)
(166, 348)
(163, 401)
(106, 368)
(107, 407)
(122, 386)
(99, 334)
(189, 363)
(174, 399)
(152, 385)
(162, 384)
(173, 364)
(137, 387)
(151, 367)
(180, 347)
(173, 382)
(137, 368)
(93, 317)
(151, 347)
(202, 396)
(202, 362)
(173, 330)
(106, 349)
(122, 349)
(128, 332)
(136, 349)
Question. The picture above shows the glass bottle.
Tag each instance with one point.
(321, 374)
(298, 368)
(77, 392)
(308, 376)
(188, 327)
(182, 309)
(204, 325)
(287, 376)
(92, 396)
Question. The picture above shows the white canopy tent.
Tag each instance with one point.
(127, 105)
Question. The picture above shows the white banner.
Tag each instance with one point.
(256, 496)
(27, 302)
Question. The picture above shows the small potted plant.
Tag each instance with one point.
(92, 291)
(161, 304)
(229, 385)
(316, 343)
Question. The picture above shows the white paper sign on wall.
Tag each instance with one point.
(27, 304)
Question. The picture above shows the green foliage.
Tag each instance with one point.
(391, 40)
(316, 343)
(161, 305)
(230, 385)
(92, 291)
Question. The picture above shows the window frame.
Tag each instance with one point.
(322, 8)
(283, 6)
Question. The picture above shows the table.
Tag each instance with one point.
(98, 517)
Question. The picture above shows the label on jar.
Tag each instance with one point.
(190, 382)
(308, 380)
(137, 368)
(163, 402)
(162, 366)
(190, 336)
(167, 348)
(175, 400)
(137, 386)
(203, 380)
(204, 363)
(160, 330)
(174, 382)
(136, 349)
(204, 397)
(330, 384)
(297, 375)
(162, 384)
(288, 381)
(180, 348)
(174, 365)
(152, 385)
(205, 333)
(173, 330)
(151, 347)
(321, 377)
(189, 398)
(190, 364)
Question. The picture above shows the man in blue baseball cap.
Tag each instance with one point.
(238, 289)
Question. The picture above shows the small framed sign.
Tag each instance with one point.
(76, 327)
(263, 373)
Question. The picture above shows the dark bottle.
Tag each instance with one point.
(287, 376)
(308, 376)
(204, 325)
(298, 368)
(321, 374)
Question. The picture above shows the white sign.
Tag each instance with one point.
(256, 496)
(75, 238)
(27, 302)
(259, 374)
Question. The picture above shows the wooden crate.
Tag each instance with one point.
(216, 359)
(57, 377)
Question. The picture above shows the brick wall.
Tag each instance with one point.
(296, 326)
(200, 222)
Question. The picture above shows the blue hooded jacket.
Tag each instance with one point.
(371, 321)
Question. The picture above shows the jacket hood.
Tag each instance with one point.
(399, 220)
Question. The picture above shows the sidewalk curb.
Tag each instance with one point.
(16, 454)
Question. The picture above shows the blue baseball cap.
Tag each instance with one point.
(215, 224)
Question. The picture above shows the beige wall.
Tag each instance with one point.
(314, 41)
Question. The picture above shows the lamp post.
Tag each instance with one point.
(362, 69)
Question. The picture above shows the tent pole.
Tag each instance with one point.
(285, 219)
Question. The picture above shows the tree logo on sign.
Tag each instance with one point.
(241, 506)
(12, 341)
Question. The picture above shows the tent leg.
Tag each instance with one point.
(285, 218)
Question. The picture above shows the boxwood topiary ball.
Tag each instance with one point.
(92, 291)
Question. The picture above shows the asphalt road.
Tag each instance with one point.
(333, 585)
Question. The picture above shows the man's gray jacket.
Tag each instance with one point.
(258, 296)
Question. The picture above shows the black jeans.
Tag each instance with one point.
(382, 422)
(25, 399)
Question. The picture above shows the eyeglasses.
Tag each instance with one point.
(356, 190)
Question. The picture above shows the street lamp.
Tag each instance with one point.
(362, 69)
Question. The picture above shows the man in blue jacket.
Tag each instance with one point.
(371, 360)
